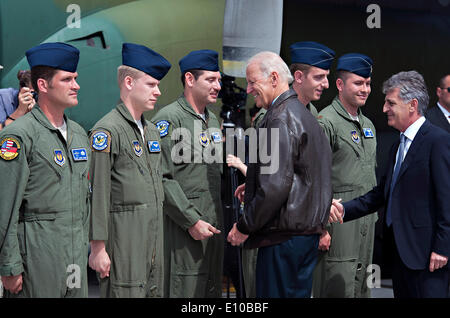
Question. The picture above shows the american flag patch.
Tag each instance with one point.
(9, 148)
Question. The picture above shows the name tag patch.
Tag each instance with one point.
(154, 146)
(216, 137)
(368, 133)
(79, 154)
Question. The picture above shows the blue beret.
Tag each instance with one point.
(207, 60)
(312, 53)
(58, 55)
(359, 64)
(144, 59)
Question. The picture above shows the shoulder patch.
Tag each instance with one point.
(9, 148)
(163, 127)
(101, 141)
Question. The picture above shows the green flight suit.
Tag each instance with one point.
(192, 192)
(44, 219)
(312, 109)
(342, 270)
(258, 117)
(127, 201)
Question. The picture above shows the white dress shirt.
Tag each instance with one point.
(410, 133)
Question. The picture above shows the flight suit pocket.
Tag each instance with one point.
(130, 247)
(44, 242)
(344, 192)
(133, 289)
(22, 239)
(190, 277)
(340, 274)
(84, 193)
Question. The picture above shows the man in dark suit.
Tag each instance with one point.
(415, 190)
(439, 114)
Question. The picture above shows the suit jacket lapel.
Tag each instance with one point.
(441, 117)
(414, 149)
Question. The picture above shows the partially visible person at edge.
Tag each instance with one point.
(414, 190)
(439, 114)
(44, 219)
(15, 103)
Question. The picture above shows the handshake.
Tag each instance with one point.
(336, 212)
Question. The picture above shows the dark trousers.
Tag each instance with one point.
(408, 283)
(285, 270)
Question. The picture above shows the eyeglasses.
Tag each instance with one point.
(447, 88)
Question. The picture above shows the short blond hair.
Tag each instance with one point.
(124, 71)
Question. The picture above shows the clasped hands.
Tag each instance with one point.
(336, 212)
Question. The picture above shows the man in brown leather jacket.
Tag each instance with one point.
(288, 196)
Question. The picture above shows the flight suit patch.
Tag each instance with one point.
(368, 133)
(355, 136)
(9, 148)
(216, 137)
(154, 146)
(59, 157)
(204, 140)
(79, 154)
(163, 127)
(137, 148)
(101, 141)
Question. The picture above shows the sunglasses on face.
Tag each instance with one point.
(446, 88)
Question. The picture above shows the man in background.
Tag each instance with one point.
(310, 67)
(439, 114)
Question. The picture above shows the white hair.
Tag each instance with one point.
(271, 62)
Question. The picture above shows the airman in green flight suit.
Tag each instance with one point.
(310, 67)
(191, 144)
(342, 267)
(44, 163)
(127, 198)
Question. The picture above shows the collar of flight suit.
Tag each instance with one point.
(340, 109)
(37, 112)
(123, 110)
(187, 107)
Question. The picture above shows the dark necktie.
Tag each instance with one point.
(401, 149)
